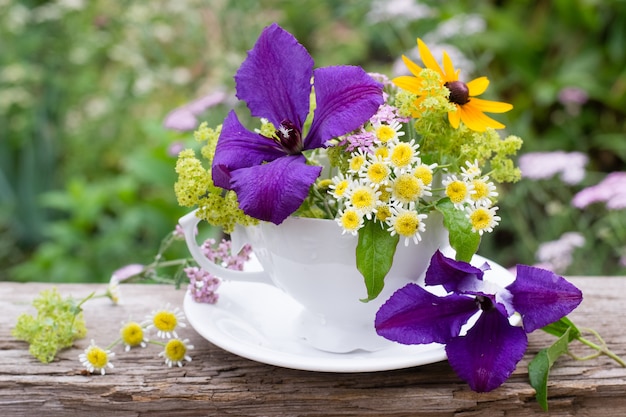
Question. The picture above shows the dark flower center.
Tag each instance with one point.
(289, 137)
(459, 93)
(484, 303)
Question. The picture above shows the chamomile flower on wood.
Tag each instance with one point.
(166, 321)
(175, 352)
(96, 359)
(133, 334)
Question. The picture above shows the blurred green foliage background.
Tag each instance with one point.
(86, 170)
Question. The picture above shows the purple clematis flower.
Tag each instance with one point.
(270, 175)
(487, 354)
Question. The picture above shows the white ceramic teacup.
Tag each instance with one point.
(314, 263)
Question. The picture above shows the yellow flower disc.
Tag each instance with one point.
(377, 172)
(175, 350)
(407, 223)
(97, 357)
(424, 173)
(165, 321)
(383, 213)
(132, 334)
(341, 187)
(382, 152)
(356, 162)
(363, 198)
(385, 133)
(481, 188)
(480, 218)
(350, 220)
(407, 188)
(457, 191)
(402, 155)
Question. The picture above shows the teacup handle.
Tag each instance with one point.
(189, 222)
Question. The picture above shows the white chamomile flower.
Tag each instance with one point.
(483, 193)
(356, 161)
(472, 171)
(425, 173)
(375, 171)
(388, 132)
(458, 191)
(165, 321)
(483, 219)
(407, 223)
(133, 334)
(175, 352)
(403, 154)
(363, 198)
(407, 188)
(96, 359)
(339, 186)
(350, 221)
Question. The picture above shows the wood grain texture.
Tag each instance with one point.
(218, 383)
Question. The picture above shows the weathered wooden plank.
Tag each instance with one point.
(217, 382)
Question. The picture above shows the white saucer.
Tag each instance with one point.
(257, 321)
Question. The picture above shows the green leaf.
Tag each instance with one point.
(462, 239)
(374, 256)
(539, 367)
(560, 327)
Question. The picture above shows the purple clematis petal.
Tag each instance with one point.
(240, 149)
(456, 276)
(274, 190)
(489, 353)
(345, 96)
(275, 78)
(412, 315)
(542, 297)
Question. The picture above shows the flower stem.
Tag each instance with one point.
(601, 348)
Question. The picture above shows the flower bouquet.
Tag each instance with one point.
(379, 158)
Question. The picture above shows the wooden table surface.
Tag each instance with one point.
(218, 383)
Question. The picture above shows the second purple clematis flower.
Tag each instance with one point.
(487, 353)
(270, 175)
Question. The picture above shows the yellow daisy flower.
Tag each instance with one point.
(469, 109)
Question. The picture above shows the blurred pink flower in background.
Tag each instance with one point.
(573, 98)
(556, 255)
(543, 165)
(611, 191)
(185, 118)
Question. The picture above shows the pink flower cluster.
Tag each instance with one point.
(202, 284)
(611, 191)
(543, 165)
